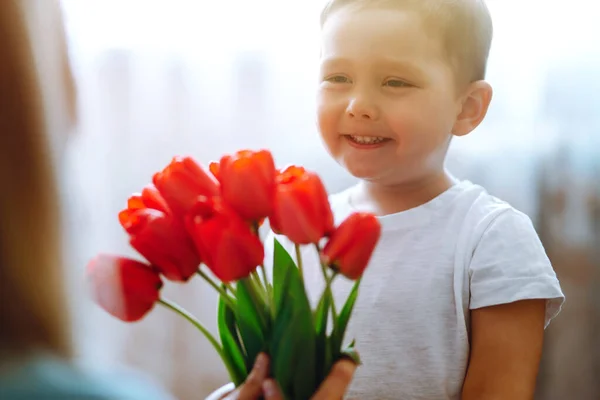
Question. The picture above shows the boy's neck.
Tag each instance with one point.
(390, 199)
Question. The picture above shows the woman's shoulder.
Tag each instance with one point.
(51, 378)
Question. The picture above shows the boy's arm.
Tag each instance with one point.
(506, 348)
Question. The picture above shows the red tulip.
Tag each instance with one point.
(213, 167)
(125, 288)
(227, 244)
(164, 242)
(248, 183)
(149, 198)
(351, 245)
(181, 182)
(301, 207)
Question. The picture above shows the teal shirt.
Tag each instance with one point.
(53, 379)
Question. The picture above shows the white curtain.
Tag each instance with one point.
(160, 78)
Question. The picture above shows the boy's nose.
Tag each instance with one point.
(359, 108)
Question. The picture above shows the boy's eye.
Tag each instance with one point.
(396, 83)
(337, 79)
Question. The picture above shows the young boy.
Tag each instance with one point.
(459, 290)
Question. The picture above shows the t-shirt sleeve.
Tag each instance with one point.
(509, 264)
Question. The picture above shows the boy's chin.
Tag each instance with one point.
(362, 171)
(383, 175)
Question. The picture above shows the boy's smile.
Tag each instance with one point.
(387, 101)
(362, 141)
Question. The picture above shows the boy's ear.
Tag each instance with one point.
(475, 104)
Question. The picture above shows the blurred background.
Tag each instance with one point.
(159, 78)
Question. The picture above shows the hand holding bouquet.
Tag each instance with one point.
(190, 221)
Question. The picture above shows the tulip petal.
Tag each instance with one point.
(125, 288)
(248, 183)
(181, 182)
(301, 210)
(228, 246)
(352, 244)
(164, 242)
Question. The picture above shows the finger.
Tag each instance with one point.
(252, 387)
(271, 390)
(337, 382)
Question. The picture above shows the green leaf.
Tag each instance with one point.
(231, 345)
(251, 320)
(282, 261)
(305, 365)
(282, 348)
(343, 318)
(321, 313)
(328, 358)
(322, 343)
(352, 354)
(293, 348)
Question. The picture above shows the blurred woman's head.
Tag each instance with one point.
(36, 91)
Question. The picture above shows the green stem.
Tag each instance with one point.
(269, 294)
(219, 289)
(323, 266)
(328, 280)
(185, 314)
(230, 288)
(257, 297)
(264, 276)
(260, 290)
(257, 286)
(256, 280)
(333, 308)
(299, 261)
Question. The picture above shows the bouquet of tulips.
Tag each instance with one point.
(196, 222)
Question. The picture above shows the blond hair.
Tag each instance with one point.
(465, 27)
(33, 311)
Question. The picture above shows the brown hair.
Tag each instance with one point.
(33, 311)
(465, 27)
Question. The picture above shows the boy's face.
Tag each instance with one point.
(387, 101)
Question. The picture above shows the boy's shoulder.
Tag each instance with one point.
(475, 215)
(483, 211)
(466, 198)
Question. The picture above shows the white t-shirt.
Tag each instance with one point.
(463, 250)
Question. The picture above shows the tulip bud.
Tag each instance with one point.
(213, 167)
(351, 245)
(228, 246)
(125, 288)
(149, 198)
(164, 242)
(181, 182)
(248, 183)
(301, 207)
